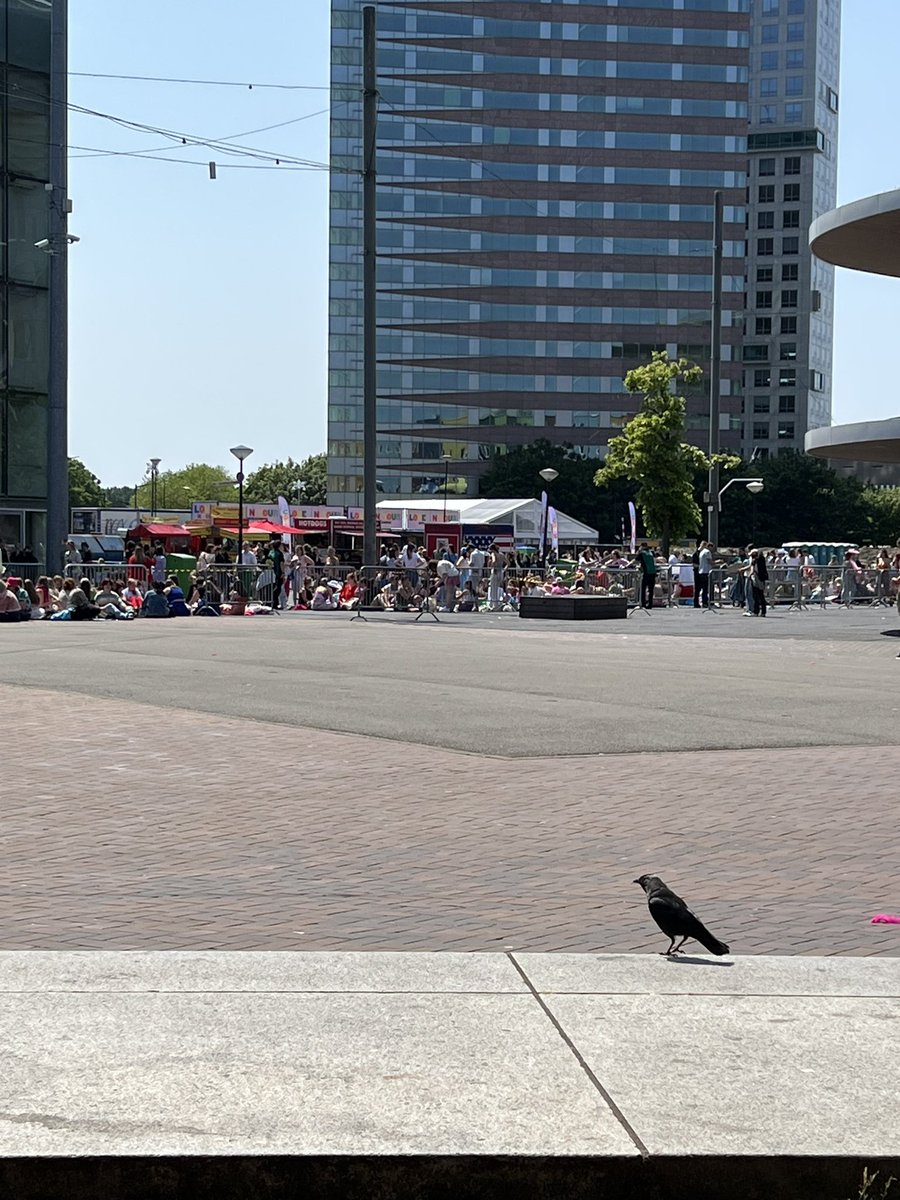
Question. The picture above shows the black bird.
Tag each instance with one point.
(674, 917)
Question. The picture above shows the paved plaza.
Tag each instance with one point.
(483, 784)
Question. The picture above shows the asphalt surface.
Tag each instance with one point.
(497, 685)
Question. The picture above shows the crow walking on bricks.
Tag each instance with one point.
(674, 917)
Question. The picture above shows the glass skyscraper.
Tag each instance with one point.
(545, 201)
(24, 269)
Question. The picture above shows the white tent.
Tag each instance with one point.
(523, 515)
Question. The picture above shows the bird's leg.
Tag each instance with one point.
(666, 953)
(680, 944)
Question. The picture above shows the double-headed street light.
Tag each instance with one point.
(240, 453)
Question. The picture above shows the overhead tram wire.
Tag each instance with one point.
(283, 87)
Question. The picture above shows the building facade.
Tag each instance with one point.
(792, 143)
(25, 46)
(546, 173)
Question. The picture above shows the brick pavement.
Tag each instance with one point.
(132, 827)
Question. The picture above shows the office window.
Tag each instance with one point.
(769, 34)
(765, 246)
(792, 165)
(785, 430)
(791, 193)
(760, 431)
(770, 8)
(787, 377)
(791, 219)
(790, 245)
(793, 60)
(765, 274)
(763, 326)
(766, 193)
(793, 114)
(762, 377)
(793, 85)
(786, 404)
(760, 404)
(765, 220)
(767, 166)
(768, 86)
(795, 8)
(831, 99)
(768, 60)
(790, 272)
(788, 325)
(764, 299)
(789, 298)
(788, 351)
(794, 31)
(768, 114)
(756, 353)
(816, 381)
(815, 300)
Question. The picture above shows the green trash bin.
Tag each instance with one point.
(181, 566)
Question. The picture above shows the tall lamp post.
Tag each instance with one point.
(754, 486)
(240, 453)
(446, 460)
(154, 476)
(548, 475)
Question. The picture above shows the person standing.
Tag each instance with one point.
(495, 587)
(275, 559)
(476, 564)
(648, 576)
(759, 577)
(702, 569)
(159, 564)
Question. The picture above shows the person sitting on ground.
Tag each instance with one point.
(111, 603)
(132, 595)
(349, 597)
(156, 603)
(87, 587)
(177, 605)
(236, 605)
(558, 588)
(38, 610)
(80, 608)
(323, 598)
(17, 587)
(405, 595)
(10, 609)
(468, 598)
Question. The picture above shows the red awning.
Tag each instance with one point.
(269, 527)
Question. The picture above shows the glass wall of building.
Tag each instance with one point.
(24, 270)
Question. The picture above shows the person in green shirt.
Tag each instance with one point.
(648, 575)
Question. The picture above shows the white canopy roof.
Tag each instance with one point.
(523, 515)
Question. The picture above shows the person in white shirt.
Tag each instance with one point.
(248, 556)
(410, 560)
(159, 564)
(476, 565)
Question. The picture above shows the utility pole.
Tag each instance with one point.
(370, 281)
(715, 373)
(57, 235)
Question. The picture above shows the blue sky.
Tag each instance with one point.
(198, 308)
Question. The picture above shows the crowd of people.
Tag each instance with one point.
(270, 575)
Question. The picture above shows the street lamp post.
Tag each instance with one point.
(548, 475)
(446, 459)
(240, 453)
(754, 485)
(154, 475)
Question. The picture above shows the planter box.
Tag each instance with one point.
(574, 608)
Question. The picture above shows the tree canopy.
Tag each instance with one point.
(85, 490)
(272, 480)
(196, 482)
(651, 454)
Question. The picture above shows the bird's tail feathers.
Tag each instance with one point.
(712, 944)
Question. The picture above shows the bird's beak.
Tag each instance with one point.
(636, 881)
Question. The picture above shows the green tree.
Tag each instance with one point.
(180, 489)
(883, 510)
(118, 497)
(516, 475)
(272, 480)
(651, 454)
(84, 487)
(803, 499)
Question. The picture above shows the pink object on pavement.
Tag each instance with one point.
(885, 919)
